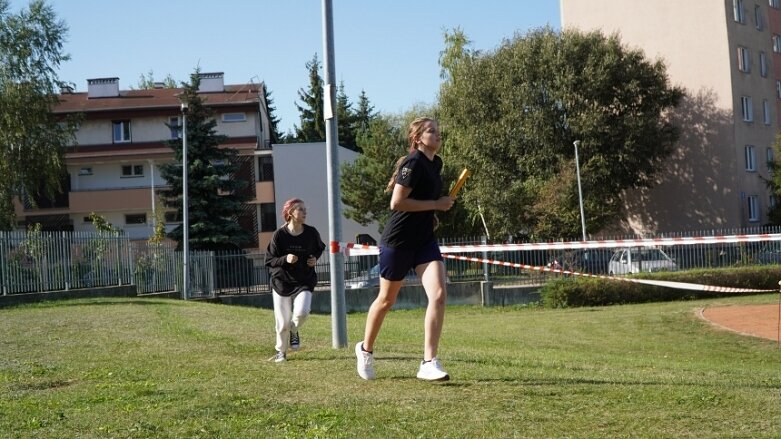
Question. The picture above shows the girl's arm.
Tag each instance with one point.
(400, 201)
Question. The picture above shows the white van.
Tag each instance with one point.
(635, 260)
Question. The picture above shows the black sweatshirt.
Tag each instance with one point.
(288, 279)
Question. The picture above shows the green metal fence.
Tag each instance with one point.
(35, 261)
(52, 261)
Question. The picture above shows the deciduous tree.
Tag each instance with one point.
(511, 115)
(32, 137)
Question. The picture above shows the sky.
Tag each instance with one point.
(389, 49)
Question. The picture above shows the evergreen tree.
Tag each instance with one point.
(312, 108)
(346, 120)
(364, 114)
(276, 137)
(215, 195)
(363, 181)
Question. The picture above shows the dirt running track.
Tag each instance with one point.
(754, 320)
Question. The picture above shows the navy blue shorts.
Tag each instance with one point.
(395, 263)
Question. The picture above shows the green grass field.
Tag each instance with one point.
(155, 368)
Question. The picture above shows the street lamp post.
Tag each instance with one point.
(185, 202)
(580, 191)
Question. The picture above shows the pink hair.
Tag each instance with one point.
(287, 209)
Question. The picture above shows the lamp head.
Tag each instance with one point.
(185, 107)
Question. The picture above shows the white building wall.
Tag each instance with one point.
(109, 176)
(238, 129)
(300, 171)
(94, 132)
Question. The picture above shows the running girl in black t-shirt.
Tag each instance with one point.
(408, 242)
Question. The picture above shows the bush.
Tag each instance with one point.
(587, 291)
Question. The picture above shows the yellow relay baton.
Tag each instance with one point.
(460, 182)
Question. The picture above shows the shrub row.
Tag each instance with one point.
(585, 291)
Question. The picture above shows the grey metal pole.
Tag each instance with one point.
(338, 308)
(580, 191)
(185, 202)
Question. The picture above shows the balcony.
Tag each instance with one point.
(111, 200)
(264, 192)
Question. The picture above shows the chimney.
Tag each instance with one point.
(159, 85)
(66, 89)
(103, 88)
(212, 82)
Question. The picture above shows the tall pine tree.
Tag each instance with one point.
(364, 114)
(312, 106)
(276, 137)
(345, 117)
(215, 195)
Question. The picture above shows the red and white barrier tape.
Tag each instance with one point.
(660, 283)
(352, 249)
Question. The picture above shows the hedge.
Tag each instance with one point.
(587, 291)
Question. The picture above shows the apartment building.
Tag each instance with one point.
(726, 54)
(121, 142)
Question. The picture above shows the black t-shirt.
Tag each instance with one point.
(408, 230)
(288, 279)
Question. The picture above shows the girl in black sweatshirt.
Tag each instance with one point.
(291, 257)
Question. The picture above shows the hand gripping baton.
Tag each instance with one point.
(460, 182)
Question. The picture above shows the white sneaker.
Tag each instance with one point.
(432, 371)
(279, 357)
(365, 362)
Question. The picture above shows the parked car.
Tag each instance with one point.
(770, 253)
(587, 260)
(635, 260)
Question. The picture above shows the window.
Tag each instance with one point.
(776, 43)
(758, 21)
(234, 117)
(746, 109)
(738, 11)
(87, 220)
(86, 170)
(268, 217)
(763, 64)
(744, 60)
(175, 125)
(775, 3)
(121, 130)
(751, 158)
(769, 159)
(765, 112)
(135, 218)
(753, 208)
(778, 89)
(132, 170)
(772, 201)
(266, 166)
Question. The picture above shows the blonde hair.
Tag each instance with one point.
(414, 131)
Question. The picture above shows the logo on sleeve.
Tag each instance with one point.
(405, 172)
